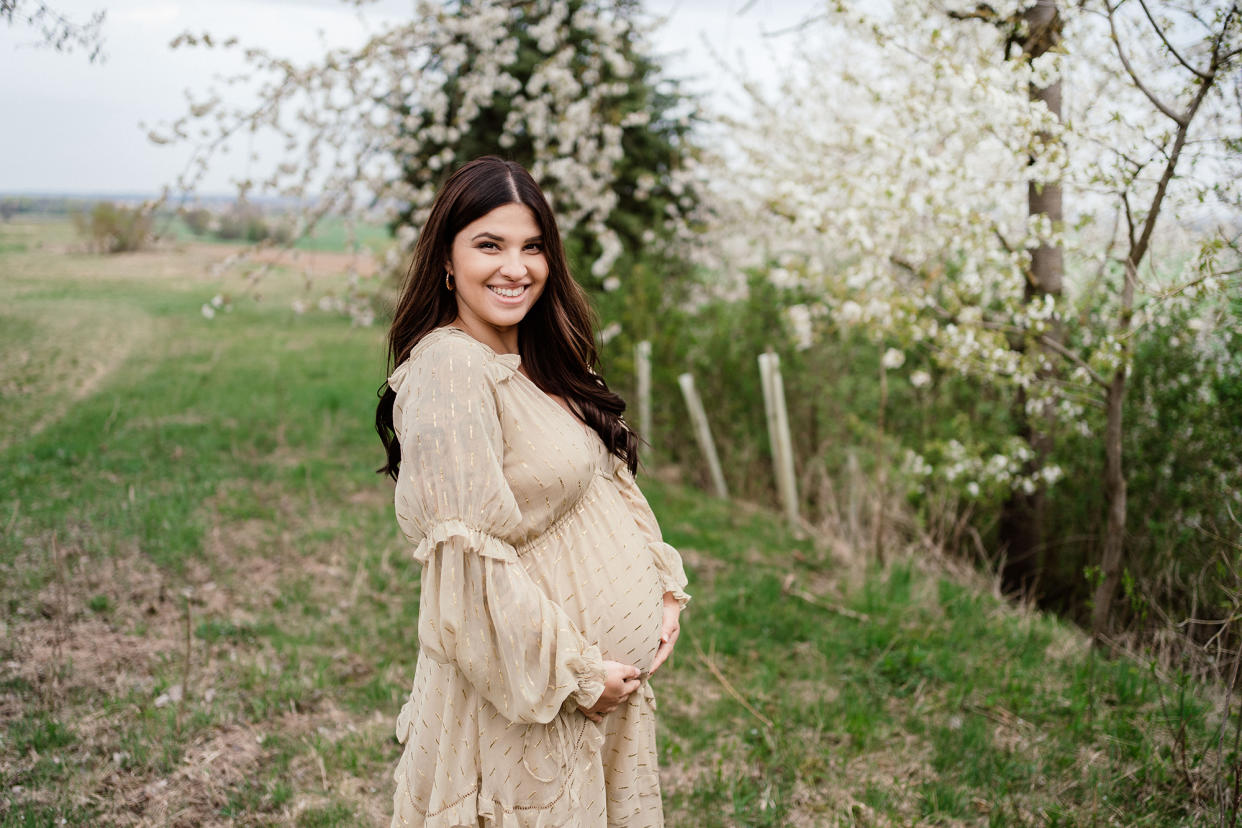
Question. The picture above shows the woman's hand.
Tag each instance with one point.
(668, 632)
(619, 681)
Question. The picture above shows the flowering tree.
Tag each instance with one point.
(908, 171)
(567, 87)
(1037, 29)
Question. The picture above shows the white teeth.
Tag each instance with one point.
(511, 293)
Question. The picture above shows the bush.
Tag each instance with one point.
(115, 228)
(234, 224)
(197, 220)
(1183, 463)
(245, 222)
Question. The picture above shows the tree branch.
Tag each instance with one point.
(1177, 290)
(59, 32)
(1138, 250)
(1060, 350)
(796, 27)
(1043, 339)
(1125, 202)
(1181, 120)
(982, 11)
(904, 265)
(1167, 44)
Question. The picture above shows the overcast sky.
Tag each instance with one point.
(70, 126)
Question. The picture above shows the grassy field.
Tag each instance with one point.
(209, 617)
(330, 234)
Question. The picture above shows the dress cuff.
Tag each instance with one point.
(456, 531)
(588, 669)
(672, 573)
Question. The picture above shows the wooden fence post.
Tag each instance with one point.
(703, 432)
(853, 488)
(881, 469)
(642, 371)
(778, 433)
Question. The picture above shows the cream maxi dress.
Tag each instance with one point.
(541, 558)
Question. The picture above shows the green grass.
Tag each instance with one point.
(208, 610)
(331, 234)
(943, 706)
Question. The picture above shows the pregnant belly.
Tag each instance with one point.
(627, 628)
(604, 579)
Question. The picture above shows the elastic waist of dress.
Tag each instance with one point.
(557, 526)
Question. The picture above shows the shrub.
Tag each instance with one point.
(198, 220)
(245, 222)
(1184, 477)
(232, 226)
(115, 228)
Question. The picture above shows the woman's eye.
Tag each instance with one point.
(488, 246)
(535, 248)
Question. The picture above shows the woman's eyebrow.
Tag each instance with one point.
(489, 235)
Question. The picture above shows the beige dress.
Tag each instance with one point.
(540, 559)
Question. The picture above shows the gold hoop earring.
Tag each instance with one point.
(447, 283)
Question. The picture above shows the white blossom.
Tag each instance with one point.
(800, 322)
(893, 358)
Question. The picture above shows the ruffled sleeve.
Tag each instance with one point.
(667, 559)
(479, 609)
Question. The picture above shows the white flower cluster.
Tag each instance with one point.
(976, 474)
(561, 109)
(801, 324)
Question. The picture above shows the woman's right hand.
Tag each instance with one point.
(619, 681)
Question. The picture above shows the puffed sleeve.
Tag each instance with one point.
(667, 559)
(479, 609)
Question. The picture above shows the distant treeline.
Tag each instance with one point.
(64, 204)
(54, 205)
(131, 222)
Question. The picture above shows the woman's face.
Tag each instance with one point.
(498, 267)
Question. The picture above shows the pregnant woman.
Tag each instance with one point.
(547, 595)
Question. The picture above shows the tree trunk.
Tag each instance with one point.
(1021, 525)
(1020, 528)
(1114, 473)
(1115, 490)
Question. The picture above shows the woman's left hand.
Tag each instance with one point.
(668, 632)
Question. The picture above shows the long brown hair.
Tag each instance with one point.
(556, 339)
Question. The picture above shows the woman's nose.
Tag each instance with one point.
(512, 267)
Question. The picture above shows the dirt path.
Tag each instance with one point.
(69, 356)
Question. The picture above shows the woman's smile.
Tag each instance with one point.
(508, 292)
